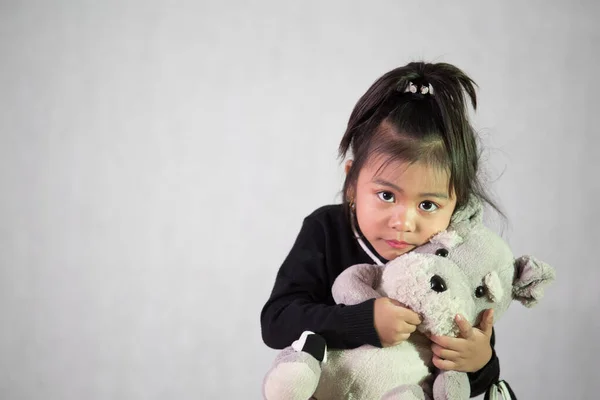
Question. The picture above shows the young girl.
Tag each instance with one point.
(415, 163)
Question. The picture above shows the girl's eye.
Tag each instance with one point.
(386, 196)
(428, 206)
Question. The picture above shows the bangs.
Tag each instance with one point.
(410, 147)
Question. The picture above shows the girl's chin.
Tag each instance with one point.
(390, 254)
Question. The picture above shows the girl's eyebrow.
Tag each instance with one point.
(383, 182)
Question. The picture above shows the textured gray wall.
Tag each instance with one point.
(157, 158)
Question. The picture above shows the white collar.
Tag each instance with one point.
(363, 245)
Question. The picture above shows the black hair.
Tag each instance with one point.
(429, 125)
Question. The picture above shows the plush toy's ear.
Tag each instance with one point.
(467, 217)
(531, 276)
(494, 287)
(471, 212)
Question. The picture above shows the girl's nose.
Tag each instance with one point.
(403, 220)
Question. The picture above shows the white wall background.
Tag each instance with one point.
(157, 159)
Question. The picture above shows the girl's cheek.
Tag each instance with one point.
(373, 204)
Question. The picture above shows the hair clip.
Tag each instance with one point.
(425, 89)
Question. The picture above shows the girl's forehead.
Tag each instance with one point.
(381, 168)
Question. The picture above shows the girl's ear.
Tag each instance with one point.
(347, 166)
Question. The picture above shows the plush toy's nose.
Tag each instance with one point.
(438, 284)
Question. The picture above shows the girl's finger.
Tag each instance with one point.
(443, 353)
(448, 342)
(487, 322)
(466, 330)
(445, 365)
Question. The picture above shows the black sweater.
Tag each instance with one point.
(301, 299)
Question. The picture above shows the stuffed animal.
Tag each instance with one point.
(465, 269)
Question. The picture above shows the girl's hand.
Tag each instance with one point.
(469, 352)
(393, 323)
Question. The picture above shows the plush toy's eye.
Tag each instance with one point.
(441, 252)
(438, 284)
(480, 291)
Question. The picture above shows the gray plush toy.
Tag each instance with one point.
(465, 269)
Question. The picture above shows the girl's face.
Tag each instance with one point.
(401, 206)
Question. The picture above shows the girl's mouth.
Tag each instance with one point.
(398, 244)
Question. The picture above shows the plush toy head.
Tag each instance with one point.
(432, 286)
(465, 269)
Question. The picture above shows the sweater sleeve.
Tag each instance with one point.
(301, 299)
(481, 380)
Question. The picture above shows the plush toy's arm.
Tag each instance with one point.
(357, 284)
